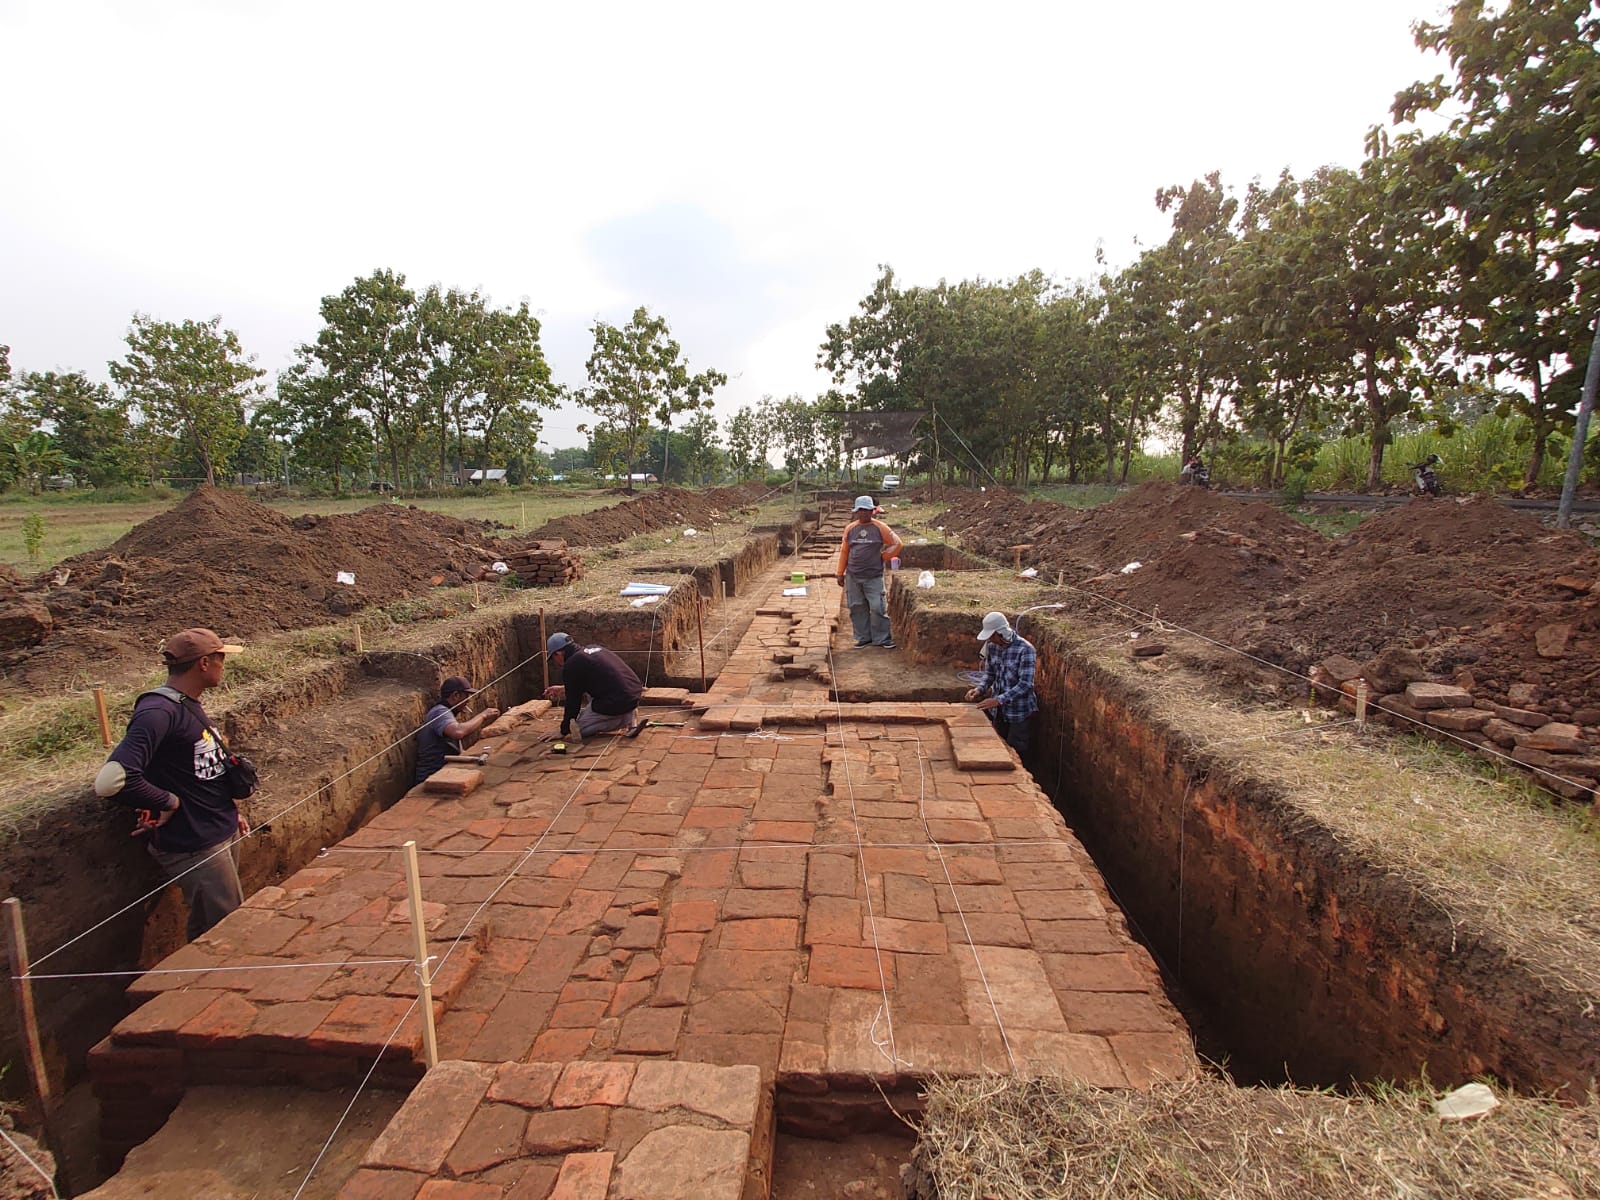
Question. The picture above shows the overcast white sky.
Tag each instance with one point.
(740, 169)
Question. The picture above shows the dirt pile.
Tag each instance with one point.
(223, 561)
(1471, 586)
(649, 511)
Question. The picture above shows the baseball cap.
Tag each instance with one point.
(189, 644)
(456, 684)
(558, 641)
(994, 623)
(864, 502)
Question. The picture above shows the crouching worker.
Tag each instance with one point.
(1006, 692)
(598, 674)
(441, 732)
(173, 769)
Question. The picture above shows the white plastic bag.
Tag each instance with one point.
(500, 568)
(1130, 568)
(1028, 573)
(925, 579)
(348, 578)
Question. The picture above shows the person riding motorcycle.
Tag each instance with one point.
(1424, 477)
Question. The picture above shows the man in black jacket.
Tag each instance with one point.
(172, 767)
(609, 683)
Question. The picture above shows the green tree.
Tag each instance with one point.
(33, 457)
(368, 347)
(749, 438)
(192, 381)
(513, 378)
(636, 372)
(1516, 181)
(329, 438)
(90, 422)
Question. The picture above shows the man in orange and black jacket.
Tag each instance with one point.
(868, 544)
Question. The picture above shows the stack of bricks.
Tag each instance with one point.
(546, 564)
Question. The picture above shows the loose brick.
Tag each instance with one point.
(584, 1083)
(421, 1134)
(650, 1031)
(772, 933)
(584, 1176)
(849, 967)
(563, 1130)
(527, 1085)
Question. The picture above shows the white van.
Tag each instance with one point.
(890, 482)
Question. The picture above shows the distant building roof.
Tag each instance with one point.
(492, 475)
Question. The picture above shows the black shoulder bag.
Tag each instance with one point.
(241, 778)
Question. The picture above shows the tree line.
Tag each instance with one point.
(1453, 273)
(399, 384)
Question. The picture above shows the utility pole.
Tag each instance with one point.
(1580, 433)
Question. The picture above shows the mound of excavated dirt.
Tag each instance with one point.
(649, 511)
(223, 561)
(1470, 585)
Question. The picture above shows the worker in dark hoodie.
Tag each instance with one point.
(599, 676)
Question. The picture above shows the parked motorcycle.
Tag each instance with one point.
(1424, 478)
(1195, 473)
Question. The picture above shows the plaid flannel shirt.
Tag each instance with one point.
(1009, 677)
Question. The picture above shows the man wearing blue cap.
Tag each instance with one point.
(598, 674)
(441, 732)
(867, 545)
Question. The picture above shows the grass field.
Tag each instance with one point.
(73, 526)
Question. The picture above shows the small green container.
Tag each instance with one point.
(797, 576)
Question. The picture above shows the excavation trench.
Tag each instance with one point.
(1298, 958)
(335, 748)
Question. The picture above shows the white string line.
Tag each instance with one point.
(1434, 730)
(866, 888)
(227, 847)
(360, 1087)
(950, 882)
(674, 848)
(510, 875)
(529, 853)
(28, 1158)
(284, 966)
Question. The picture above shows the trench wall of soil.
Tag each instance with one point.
(1308, 961)
(335, 747)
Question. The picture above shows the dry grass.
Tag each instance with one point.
(50, 744)
(1485, 846)
(1205, 1139)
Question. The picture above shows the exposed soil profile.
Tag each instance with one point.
(220, 560)
(1466, 584)
(654, 509)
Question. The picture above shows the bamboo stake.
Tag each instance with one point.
(700, 636)
(358, 637)
(27, 1017)
(1361, 702)
(544, 658)
(430, 1041)
(100, 715)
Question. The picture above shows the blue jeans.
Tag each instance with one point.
(869, 611)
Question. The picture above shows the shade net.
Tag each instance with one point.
(880, 434)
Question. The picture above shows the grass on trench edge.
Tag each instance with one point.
(50, 744)
(1001, 1138)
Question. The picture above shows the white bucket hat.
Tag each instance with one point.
(864, 502)
(994, 623)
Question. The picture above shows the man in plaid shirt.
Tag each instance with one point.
(1006, 692)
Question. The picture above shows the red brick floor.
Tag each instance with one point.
(844, 897)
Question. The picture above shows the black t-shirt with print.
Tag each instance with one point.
(169, 749)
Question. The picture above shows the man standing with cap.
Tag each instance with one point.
(593, 671)
(1006, 692)
(441, 733)
(172, 766)
(866, 546)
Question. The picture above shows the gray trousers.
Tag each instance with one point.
(591, 722)
(211, 888)
(869, 611)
